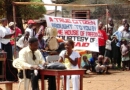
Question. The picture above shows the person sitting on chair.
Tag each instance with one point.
(31, 58)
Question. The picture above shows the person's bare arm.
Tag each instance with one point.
(8, 36)
(60, 59)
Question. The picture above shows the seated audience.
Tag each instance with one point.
(100, 68)
(107, 63)
(85, 64)
(92, 61)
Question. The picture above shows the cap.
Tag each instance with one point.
(31, 22)
(3, 19)
(11, 24)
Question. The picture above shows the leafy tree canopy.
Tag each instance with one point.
(26, 11)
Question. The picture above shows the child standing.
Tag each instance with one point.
(85, 63)
(70, 58)
(125, 54)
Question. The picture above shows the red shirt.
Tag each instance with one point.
(18, 31)
(102, 37)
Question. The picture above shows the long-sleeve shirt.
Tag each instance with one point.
(118, 34)
(25, 55)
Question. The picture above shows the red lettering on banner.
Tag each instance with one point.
(71, 32)
(81, 44)
(63, 20)
(90, 22)
(60, 32)
(81, 33)
(92, 34)
(51, 20)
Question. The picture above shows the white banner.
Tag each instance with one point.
(84, 32)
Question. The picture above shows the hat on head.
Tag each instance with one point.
(11, 24)
(31, 22)
(3, 19)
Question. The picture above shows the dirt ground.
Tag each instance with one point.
(117, 80)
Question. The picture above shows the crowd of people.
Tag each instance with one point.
(114, 47)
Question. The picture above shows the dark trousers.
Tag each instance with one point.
(10, 71)
(34, 80)
(101, 50)
(119, 57)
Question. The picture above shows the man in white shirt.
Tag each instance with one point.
(31, 58)
(5, 35)
(110, 24)
(30, 28)
(121, 28)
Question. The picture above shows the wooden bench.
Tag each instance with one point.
(8, 84)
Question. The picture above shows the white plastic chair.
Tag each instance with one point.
(17, 64)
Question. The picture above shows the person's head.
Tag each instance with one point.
(26, 34)
(104, 28)
(30, 23)
(69, 45)
(100, 57)
(4, 21)
(126, 27)
(33, 43)
(85, 58)
(110, 21)
(110, 30)
(100, 26)
(11, 25)
(40, 36)
(123, 41)
(94, 55)
(124, 21)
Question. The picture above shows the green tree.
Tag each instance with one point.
(22, 11)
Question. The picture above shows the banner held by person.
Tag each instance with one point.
(83, 31)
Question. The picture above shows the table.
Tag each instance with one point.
(8, 84)
(58, 73)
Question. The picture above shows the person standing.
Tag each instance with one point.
(17, 32)
(23, 41)
(126, 33)
(6, 46)
(110, 24)
(121, 28)
(30, 28)
(70, 58)
(102, 37)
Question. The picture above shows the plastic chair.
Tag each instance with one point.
(17, 64)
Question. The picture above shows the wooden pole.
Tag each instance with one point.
(66, 5)
(56, 10)
(14, 19)
(106, 19)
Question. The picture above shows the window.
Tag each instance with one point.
(81, 14)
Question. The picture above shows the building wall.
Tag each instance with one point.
(67, 11)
